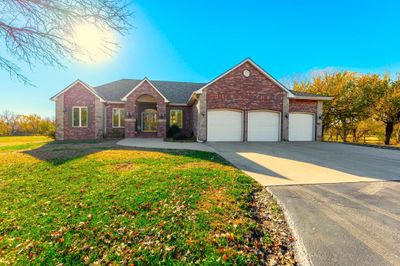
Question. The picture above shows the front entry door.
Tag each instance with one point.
(149, 121)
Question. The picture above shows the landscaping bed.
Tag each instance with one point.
(99, 203)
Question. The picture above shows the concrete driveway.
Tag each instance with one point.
(337, 198)
(291, 163)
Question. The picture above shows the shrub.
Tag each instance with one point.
(117, 134)
(173, 130)
(179, 136)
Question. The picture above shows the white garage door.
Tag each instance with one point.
(263, 126)
(301, 127)
(224, 125)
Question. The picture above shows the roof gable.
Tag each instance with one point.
(175, 92)
(86, 86)
(248, 60)
(138, 85)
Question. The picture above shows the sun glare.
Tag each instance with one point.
(95, 44)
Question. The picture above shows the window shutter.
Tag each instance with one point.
(90, 119)
(69, 116)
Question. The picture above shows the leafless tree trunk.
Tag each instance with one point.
(388, 132)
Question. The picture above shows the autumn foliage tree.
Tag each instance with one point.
(358, 98)
(387, 106)
(13, 124)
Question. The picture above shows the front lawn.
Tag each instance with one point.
(83, 203)
(12, 143)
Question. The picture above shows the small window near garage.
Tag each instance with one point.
(118, 118)
(175, 118)
(80, 116)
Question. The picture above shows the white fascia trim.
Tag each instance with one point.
(190, 101)
(124, 99)
(315, 98)
(248, 60)
(88, 87)
(114, 102)
(178, 104)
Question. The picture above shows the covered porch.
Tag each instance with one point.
(145, 117)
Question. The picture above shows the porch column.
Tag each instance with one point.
(319, 121)
(130, 117)
(161, 120)
(130, 126)
(202, 117)
(285, 119)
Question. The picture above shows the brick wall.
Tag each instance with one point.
(307, 106)
(236, 91)
(255, 92)
(110, 131)
(132, 107)
(79, 96)
(194, 116)
(187, 122)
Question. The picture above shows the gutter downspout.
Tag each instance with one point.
(105, 120)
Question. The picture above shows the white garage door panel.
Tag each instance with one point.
(224, 125)
(301, 127)
(263, 126)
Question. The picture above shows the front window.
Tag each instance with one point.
(175, 118)
(118, 117)
(80, 116)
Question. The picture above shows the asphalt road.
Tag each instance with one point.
(339, 198)
(346, 223)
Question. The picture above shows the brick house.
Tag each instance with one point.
(243, 104)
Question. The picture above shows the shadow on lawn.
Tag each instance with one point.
(59, 152)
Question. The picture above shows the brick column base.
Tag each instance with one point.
(162, 128)
(130, 126)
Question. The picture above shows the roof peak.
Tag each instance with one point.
(159, 80)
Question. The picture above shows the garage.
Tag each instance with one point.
(301, 127)
(263, 126)
(224, 125)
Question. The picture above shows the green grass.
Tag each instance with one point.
(370, 140)
(14, 143)
(83, 203)
(12, 140)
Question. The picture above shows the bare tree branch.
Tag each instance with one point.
(41, 32)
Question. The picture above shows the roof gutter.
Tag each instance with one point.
(315, 98)
(193, 97)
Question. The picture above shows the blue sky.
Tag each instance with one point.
(198, 40)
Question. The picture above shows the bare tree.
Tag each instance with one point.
(38, 31)
(10, 121)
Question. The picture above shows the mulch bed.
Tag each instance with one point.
(268, 213)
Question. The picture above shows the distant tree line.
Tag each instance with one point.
(363, 105)
(12, 124)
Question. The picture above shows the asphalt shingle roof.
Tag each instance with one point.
(175, 92)
(306, 94)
